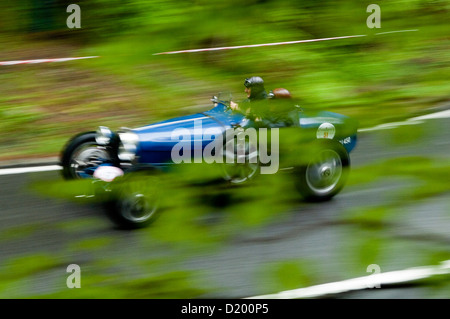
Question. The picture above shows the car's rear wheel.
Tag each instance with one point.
(325, 174)
(240, 160)
(135, 199)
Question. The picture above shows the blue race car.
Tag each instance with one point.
(315, 146)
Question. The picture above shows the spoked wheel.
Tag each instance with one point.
(82, 155)
(325, 175)
(240, 160)
(135, 201)
(137, 207)
(87, 157)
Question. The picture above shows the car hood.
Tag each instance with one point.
(163, 135)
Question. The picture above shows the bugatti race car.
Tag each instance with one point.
(314, 145)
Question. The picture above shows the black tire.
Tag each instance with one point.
(134, 202)
(233, 170)
(81, 152)
(326, 173)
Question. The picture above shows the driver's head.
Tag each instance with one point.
(254, 87)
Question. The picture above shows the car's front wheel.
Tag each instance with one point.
(82, 155)
(325, 174)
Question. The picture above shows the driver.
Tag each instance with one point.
(254, 88)
(265, 114)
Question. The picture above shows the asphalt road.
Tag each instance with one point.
(313, 235)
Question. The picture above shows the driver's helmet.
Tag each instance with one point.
(256, 83)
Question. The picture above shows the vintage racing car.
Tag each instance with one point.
(108, 156)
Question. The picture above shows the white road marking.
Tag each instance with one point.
(388, 126)
(24, 170)
(411, 121)
(361, 283)
(389, 32)
(437, 115)
(275, 43)
(45, 60)
(258, 45)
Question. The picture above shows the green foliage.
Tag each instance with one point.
(286, 275)
(15, 273)
(375, 79)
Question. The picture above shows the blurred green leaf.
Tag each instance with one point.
(286, 275)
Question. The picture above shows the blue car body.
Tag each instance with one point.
(156, 140)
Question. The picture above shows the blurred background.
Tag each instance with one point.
(394, 212)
